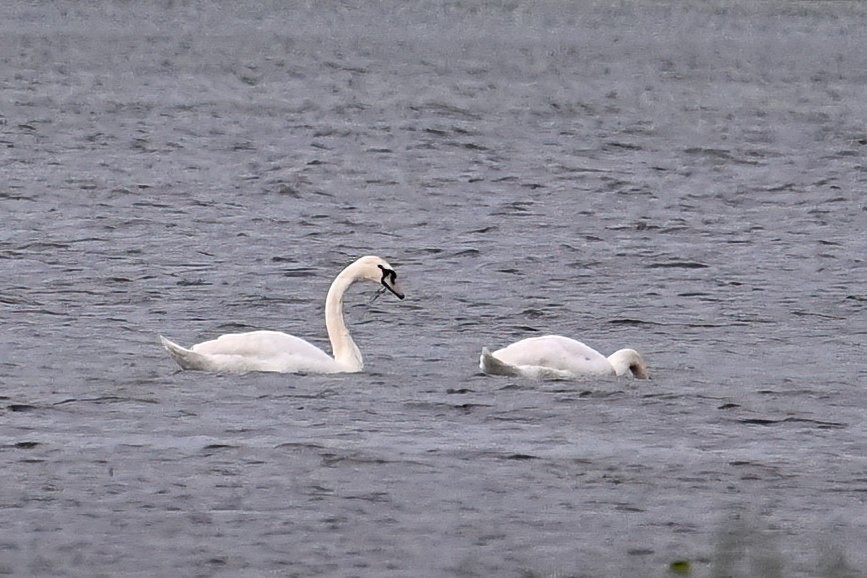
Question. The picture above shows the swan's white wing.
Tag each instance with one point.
(257, 344)
(556, 352)
(266, 351)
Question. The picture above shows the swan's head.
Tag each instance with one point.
(637, 365)
(629, 360)
(639, 368)
(378, 270)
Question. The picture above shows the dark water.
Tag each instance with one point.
(688, 181)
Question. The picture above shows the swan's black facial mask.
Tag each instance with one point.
(389, 281)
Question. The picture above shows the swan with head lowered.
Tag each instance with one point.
(279, 352)
(558, 357)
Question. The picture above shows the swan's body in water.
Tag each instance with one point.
(554, 356)
(280, 352)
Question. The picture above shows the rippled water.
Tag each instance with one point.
(687, 181)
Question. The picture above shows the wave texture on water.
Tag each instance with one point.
(686, 180)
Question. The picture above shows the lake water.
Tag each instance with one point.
(686, 180)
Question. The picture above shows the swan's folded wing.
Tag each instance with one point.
(262, 345)
(556, 352)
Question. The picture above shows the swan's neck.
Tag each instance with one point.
(626, 361)
(345, 351)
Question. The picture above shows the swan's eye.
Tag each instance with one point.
(387, 274)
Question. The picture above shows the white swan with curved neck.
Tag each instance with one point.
(555, 356)
(279, 352)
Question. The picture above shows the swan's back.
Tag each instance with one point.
(556, 352)
(256, 344)
(258, 351)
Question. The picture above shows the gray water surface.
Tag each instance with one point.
(686, 180)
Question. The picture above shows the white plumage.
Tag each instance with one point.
(284, 353)
(555, 356)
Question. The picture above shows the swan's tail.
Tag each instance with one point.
(493, 366)
(186, 358)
